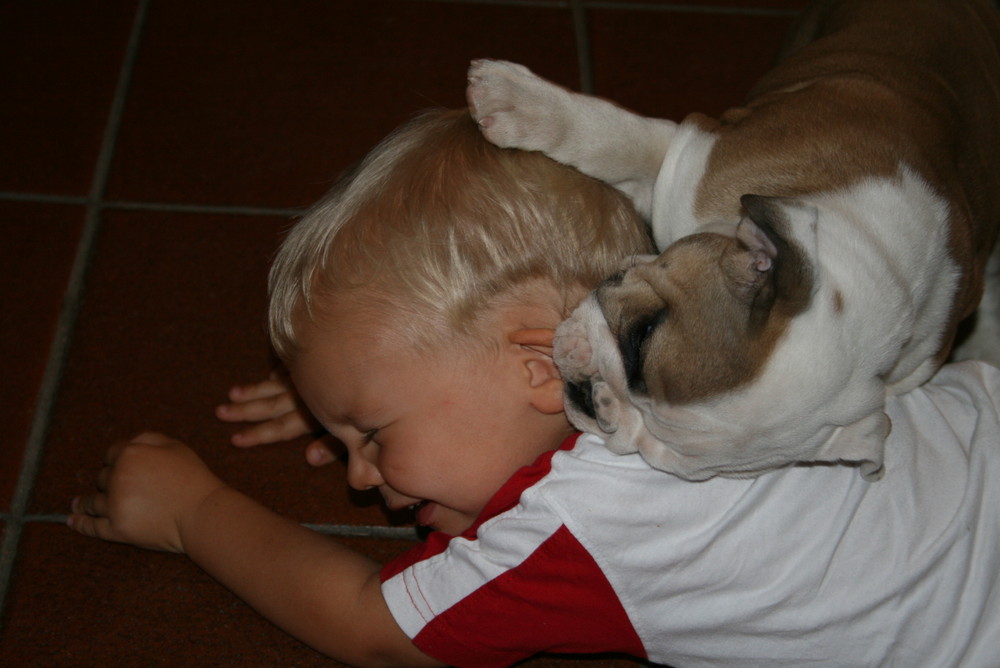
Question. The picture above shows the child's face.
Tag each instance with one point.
(443, 430)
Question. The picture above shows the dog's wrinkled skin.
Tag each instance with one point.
(821, 243)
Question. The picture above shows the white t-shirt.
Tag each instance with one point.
(592, 551)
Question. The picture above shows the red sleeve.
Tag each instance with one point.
(557, 600)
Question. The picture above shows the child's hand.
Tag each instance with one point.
(149, 487)
(275, 406)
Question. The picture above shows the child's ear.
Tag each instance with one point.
(544, 381)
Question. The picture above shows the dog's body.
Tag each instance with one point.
(821, 242)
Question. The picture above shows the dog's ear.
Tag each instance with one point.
(771, 265)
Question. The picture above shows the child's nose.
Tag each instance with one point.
(362, 474)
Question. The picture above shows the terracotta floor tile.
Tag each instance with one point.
(76, 602)
(253, 103)
(173, 315)
(668, 65)
(59, 65)
(39, 246)
(263, 103)
(81, 602)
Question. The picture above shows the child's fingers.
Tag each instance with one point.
(94, 505)
(282, 428)
(94, 527)
(255, 410)
(265, 388)
(112, 454)
(318, 453)
(103, 478)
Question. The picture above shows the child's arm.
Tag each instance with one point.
(274, 407)
(156, 493)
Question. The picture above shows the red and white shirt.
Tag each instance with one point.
(588, 551)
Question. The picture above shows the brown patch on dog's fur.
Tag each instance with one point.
(838, 302)
(875, 90)
(688, 324)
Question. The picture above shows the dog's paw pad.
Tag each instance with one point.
(506, 100)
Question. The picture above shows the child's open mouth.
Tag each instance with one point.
(425, 511)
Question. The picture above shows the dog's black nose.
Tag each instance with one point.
(581, 395)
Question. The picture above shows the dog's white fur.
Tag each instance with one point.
(884, 288)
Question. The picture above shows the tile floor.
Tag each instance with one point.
(153, 153)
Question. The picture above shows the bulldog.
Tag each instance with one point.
(821, 243)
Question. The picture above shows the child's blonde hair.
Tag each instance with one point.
(437, 223)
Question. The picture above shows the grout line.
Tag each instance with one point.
(366, 531)
(163, 207)
(206, 208)
(44, 404)
(50, 518)
(585, 60)
(59, 352)
(44, 199)
(353, 530)
(102, 169)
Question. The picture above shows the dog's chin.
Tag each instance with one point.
(597, 399)
(588, 359)
(629, 434)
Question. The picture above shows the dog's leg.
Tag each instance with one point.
(517, 109)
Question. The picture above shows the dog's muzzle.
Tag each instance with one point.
(591, 367)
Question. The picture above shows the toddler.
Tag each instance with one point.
(414, 308)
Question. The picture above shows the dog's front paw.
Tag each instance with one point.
(514, 107)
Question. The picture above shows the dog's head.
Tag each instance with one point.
(675, 356)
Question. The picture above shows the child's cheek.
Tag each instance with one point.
(397, 470)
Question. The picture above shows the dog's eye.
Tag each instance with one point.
(633, 347)
(644, 328)
(614, 280)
